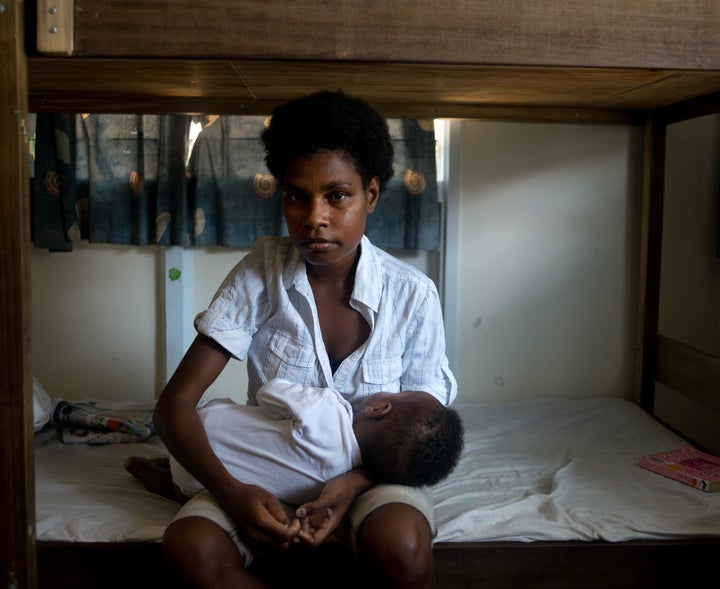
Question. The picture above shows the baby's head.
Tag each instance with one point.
(408, 438)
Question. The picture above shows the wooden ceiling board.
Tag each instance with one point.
(397, 89)
(658, 34)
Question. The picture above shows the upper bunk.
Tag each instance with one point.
(542, 60)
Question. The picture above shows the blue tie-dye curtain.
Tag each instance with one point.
(407, 215)
(109, 179)
(56, 204)
(123, 179)
(233, 199)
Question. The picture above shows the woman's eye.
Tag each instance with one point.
(338, 196)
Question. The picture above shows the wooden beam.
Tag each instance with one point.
(459, 565)
(692, 108)
(17, 506)
(399, 89)
(579, 565)
(650, 250)
(654, 34)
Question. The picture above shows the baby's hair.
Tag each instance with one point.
(421, 446)
(329, 120)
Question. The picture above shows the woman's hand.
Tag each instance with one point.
(259, 516)
(320, 518)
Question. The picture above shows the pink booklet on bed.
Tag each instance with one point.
(687, 465)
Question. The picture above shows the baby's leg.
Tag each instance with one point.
(154, 473)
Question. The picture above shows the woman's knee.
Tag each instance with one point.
(201, 551)
(395, 542)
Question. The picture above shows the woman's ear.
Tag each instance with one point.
(373, 193)
(377, 408)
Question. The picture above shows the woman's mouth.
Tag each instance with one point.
(316, 244)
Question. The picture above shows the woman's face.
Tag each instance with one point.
(326, 207)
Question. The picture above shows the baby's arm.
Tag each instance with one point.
(319, 518)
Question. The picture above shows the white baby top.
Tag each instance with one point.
(290, 444)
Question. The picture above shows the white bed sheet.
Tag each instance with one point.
(550, 469)
(560, 469)
(84, 494)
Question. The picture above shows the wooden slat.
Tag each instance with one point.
(396, 89)
(17, 507)
(613, 33)
(689, 371)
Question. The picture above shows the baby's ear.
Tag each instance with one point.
(377, 408)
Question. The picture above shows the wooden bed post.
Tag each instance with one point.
(17, 505)
(650, 247)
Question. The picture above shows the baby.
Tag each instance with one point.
(297, 438)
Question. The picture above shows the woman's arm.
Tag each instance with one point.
(253, 509)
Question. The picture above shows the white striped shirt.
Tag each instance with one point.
(265, 312)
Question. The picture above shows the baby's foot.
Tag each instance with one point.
(154, 473)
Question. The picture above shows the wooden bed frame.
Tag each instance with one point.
(653, 64)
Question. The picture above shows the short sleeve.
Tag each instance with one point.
(238, 306)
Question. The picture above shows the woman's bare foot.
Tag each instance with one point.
(154, 473)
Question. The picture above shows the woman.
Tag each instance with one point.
(322, 307)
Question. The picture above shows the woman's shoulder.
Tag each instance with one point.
(270, 245)
(265, 253)
(395, 270)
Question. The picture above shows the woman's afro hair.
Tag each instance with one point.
(329, 120)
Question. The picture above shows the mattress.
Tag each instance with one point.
(546, 469)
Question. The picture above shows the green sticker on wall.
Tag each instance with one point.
(174, 274)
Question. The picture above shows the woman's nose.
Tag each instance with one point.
(317, 213)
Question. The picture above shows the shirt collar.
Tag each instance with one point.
(294, 273)
(368, 278)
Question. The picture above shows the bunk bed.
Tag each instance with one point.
(646, 63)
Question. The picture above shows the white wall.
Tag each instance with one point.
(98, 319)
(94, 322)
(690, 272)
(546, 295)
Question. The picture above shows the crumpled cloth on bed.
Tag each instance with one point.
(566, 469)
(98, 422)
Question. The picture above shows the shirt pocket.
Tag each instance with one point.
(290, 358)
(382, 374)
